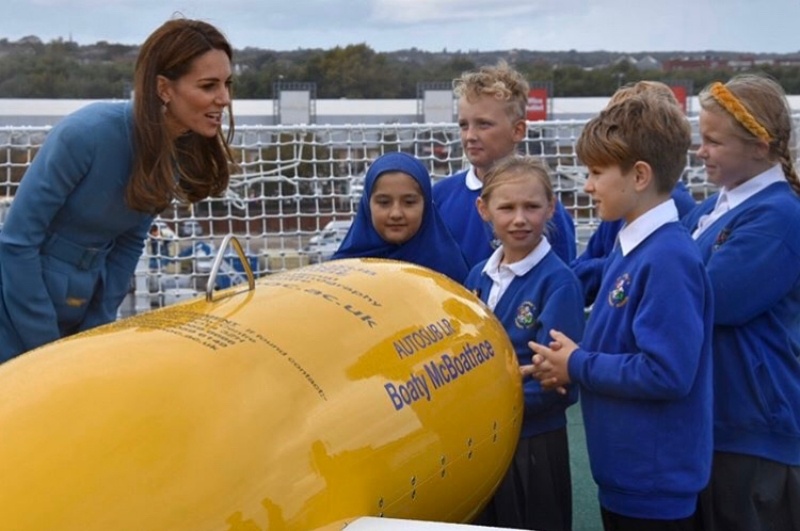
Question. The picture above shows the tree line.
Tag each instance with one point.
(30, 68)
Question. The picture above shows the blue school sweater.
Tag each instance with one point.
(644, 370)
(456, 205)
(752, 254)
(589, 265)
(546, 297)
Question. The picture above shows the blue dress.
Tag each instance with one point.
(70, 244)
(432, 246)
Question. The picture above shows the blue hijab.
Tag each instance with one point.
(432, 246)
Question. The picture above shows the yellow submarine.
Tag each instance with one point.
(306, 400)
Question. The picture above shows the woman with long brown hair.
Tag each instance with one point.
(78, 222)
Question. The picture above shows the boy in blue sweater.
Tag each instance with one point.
(644, 365)
(589, 265)
(530, 291)
(492, 104)
(749, 239)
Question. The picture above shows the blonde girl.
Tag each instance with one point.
(748, 235)
(531, 291)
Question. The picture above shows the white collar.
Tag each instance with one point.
(630, 236)
(473, 183)
(752, 186)
(523, 266)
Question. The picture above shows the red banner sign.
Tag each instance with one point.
(537, 104)
(680, 94)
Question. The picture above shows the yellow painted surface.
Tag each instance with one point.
(344, 389)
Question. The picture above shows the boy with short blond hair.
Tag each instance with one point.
(492, 103)
(644, 364)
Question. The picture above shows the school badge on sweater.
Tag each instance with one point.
(722, 237)
(618, 296)
(526, 316)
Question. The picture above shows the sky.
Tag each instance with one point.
(748, 26)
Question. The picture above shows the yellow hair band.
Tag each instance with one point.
(731, 103)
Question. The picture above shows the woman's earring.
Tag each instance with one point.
(164, 108)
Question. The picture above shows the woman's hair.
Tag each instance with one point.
(191, 167)
(500, 82)
(514, 169)
(758, 109)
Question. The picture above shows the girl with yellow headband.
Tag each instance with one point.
(749, 238)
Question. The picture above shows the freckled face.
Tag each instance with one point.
(196, 100)
(397, 207)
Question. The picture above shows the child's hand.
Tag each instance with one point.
(550, 363)
(539, 370)
(561, 341)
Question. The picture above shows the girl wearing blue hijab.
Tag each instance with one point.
(396, 219)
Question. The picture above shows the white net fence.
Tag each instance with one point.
(297, 191)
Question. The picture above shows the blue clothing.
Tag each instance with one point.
(589, 265)
(546, 297)
(432, 246)
(456, 204)
(644, 370)
(70, 245)
(752, 254)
